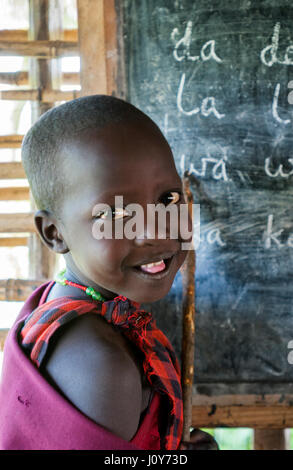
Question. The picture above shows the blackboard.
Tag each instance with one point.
(216, 77)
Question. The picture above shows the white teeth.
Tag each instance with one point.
(152, 264)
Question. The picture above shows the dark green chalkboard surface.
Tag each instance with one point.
(215, 76)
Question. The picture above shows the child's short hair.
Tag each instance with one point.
(42, 143)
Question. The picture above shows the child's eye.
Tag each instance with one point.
(172, 197)
(115, 214)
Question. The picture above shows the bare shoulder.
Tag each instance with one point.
(88, 363)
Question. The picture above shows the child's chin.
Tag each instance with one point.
(151, 297)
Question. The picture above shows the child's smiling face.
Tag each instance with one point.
(129, 159)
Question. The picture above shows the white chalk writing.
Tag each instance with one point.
(272, 238)
(268, 55)
(214, 236)
(210, 235)
(269, 236)
(275, 106)
(182, 47)
(208, 105)
(219, 171)
(290, 95)
(290, 355)
(166, 128)
(279, 172)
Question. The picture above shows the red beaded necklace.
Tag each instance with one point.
(88, 290)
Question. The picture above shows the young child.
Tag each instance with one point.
(85, 367)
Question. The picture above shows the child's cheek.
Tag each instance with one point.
(110, 253)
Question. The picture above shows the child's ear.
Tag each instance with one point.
(47, 228)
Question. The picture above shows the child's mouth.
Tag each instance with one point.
(153, 268)
(156, 270)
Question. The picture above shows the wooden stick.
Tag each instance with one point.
(14, 78)
(92, 45)
(45, 23)
(39, 49)
(13, 241)
(10, 141)
(17, 223)
(16, 193)
(70, 78)
(242, 400)
(269, 439)
(21, 78)
(11, 170)
(111, 46)
(3, 334)
(46, 96)
(188, 329)
(243, 416)
(13, 35)
(18, 290)
(22, 35)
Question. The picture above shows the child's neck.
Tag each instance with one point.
(62, 291)
(69, 290)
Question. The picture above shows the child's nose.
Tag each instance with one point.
(152, 235)
(141, 241)
(154, 232)
(153, 229)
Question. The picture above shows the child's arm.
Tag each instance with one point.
(89, 366)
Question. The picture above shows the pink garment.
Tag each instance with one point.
(34, 416)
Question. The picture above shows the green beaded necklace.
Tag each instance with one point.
(88, 290)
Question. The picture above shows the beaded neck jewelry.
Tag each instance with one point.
(60, 278)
